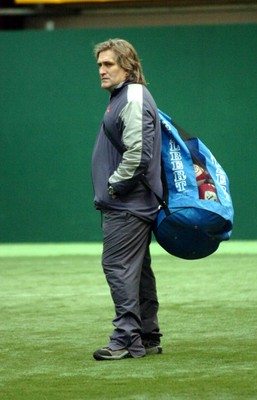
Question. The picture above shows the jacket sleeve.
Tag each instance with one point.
(137, 137)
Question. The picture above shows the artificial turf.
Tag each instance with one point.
(56, 310)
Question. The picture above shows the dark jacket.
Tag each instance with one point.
(132, 118)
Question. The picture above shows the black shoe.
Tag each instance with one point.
(152, 347)
(108, 354)
(153, 350)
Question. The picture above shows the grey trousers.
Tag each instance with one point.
(127, 266)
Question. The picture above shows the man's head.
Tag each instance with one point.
(118, 61)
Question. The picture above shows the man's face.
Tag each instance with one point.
(111, 73)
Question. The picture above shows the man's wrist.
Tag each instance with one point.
(111, 190)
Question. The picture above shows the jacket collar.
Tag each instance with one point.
(117, 88)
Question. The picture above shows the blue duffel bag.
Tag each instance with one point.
(196, 214)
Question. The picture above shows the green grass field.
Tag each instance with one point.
(56, 310)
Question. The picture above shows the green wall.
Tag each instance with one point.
(51, 105)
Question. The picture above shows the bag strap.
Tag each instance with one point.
(143, 179)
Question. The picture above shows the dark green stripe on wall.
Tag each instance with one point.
(51, 106)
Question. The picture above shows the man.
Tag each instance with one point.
(127, 206)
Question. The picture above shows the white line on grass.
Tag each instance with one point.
(70, 249)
